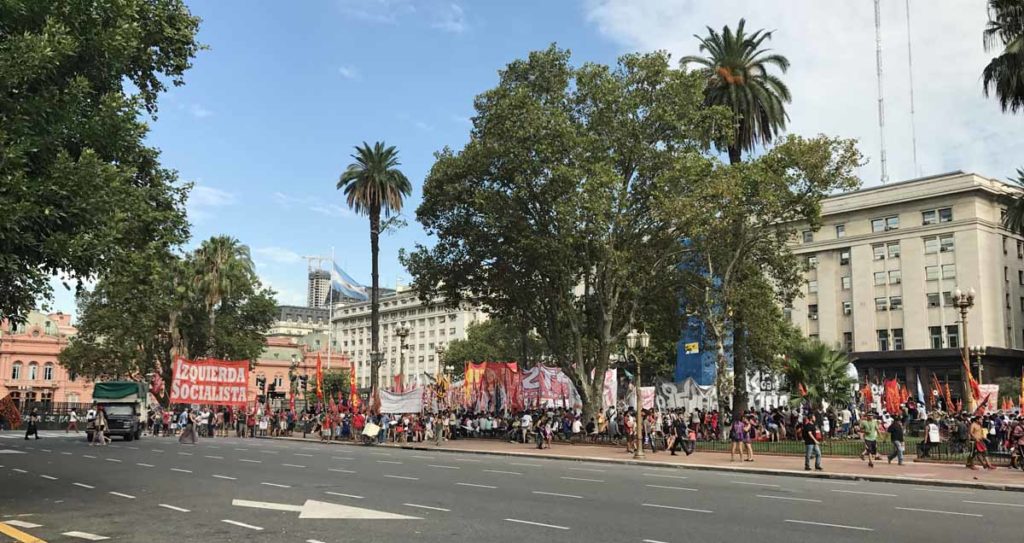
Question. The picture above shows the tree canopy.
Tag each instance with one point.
(79, 189)
(1004, 74)
(818, 374)
(494, 340)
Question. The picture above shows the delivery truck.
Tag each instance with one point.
(126, 404)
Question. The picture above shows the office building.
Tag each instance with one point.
(294, 320)
(318, 286)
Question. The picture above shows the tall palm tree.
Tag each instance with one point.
(222, 266)
(736, 69)
(1004, 75)
(819, 374)
(1014, 218)
(372, 184)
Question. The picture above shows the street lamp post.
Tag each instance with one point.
(964, 301)
(643, 340)
(402, 332)
(979, 351)
(375, 361)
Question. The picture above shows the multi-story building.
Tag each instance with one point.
(318, 286)
(430, 325)
(29, 369)
(884, 267)
(294, 320)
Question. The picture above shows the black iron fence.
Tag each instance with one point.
(53, 415)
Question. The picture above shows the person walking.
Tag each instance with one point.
(188, 424)
(978, 434)
(868, 427)
(737, 434)
(898, 441)
(99, 433)
(812, 443)
(931, 437)
(33, 424)
(72, 421)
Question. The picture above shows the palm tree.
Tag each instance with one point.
(1004, 75)
(736, 70)
(819, 374)
(222, 266)
(373, 183)
(1014, 218)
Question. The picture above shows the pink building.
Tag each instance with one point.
(290, 353)
(29, 370)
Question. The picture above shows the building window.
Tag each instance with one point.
(812, 287)
(953, 336)
(848, 341)
(933, 299)
(840, 230)
(787, 312)
(936, 244)
(881, 304)
(946, 243)
(883, 340)
(16, 371)
(847, 282)
(1020, 249)
(931, 273)
(878, 251)
(895, 302)
(894, 249)
(451, 331)
(48, 372)
(879, 278)
(885, 224)
(808, 236)
(935, 216)
(1008, 301)
(848, 307)
(1020, 277)
(935, 332)
(895, 277)
(1006, 274)
(948, 271)
(897, 339)
(33, 371)
(1004, 245)
(812, 312)
(844, 256)
(812, 262)
(947, 299)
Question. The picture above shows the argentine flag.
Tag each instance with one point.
(342, 283)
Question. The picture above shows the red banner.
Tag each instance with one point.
(210, 382)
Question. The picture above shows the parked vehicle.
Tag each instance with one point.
(126, 404)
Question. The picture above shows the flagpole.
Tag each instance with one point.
(330, 318)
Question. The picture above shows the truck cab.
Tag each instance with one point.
(126, 404)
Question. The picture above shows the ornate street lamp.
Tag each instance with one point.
(634, 340)
(979, 351)
(402, 332)
(964, 301)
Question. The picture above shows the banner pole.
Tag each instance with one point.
(330, 318)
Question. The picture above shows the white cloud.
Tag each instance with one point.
(462, 119)
(348, 72)
(279, 255)
(310, 203)
(285, 292)
(199, 111)
(423, 126)
(831, 46)
(377, 11)
(203, 199)
(451, 18)
(331, 210)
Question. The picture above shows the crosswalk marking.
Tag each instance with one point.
(85, 535)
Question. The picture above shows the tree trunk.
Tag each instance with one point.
(374, 302)
(739, 369)
(735, 154)
(721, 386)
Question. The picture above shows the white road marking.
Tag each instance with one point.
(179, 470)
(144, 465)
(89, 456)
(133, 448)
(465, 460)
(342, 458)
(112, 460)
(426, 507)
(672, 487)
(185, 454)
(442, 467)
(293, 466)
(653, 541)
(277, 485)
(665, 476)
(843, 526)
(250, 461)
(46, 450)
(402, 477)
(22, 524)
(582, 479)
(500, 471)
(476, 485)
(754, 484)
(788, 498)
(541, 524)
(866, 493)
(527, 464)
(213, 457)
(996, 503)
(19, 470)
(67, 453)
(174, 508)
(381, 453)
(83, 485)
(242, 524)
(85, 535)
(226, 477)
(557, 494)
(946, 491)
(303, 454)
(314, 541)
(939, 512)
(128, 496)
(588, 469)
(676, 508)
(340, 470)
(50, 477)
(834, 482)
(344, 495)
(388, 462)
(421, 457)
(157, 450)
(241, 449)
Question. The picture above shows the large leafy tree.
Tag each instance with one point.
(818, 374)
(221, 266)
(546, 215)
(736, 70)
(495, 340)
(79, 189)
(373, 184)
(1004, 74)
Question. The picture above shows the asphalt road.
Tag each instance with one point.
(61, 489)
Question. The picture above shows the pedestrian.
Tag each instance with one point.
(188, 424)
(978, 435)
(868, 427)
(931, 437)
(737, 434)
(99, 433)
(33, 424)
(72, 421)
(812, 443)
(749, 436)
(898, 443)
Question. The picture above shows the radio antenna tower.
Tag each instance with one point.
(910, 73)
(881, 100)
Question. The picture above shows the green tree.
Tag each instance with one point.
(79, 188)
(546, 215)
(334, 381)
(1014, 218)
(221, 266)
(1009, 389)
(374, 184)
(823, 372)
(494, 340)
(1004, 74)
(736, 71)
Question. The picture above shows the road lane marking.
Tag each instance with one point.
(85, 535)
(946, 491)
(381, 453)
(133, 448)
(665, 476)
(83, 485)
(275, 484)
(89, 456)
(340, 470)
(304, 454)
(939, 512)
(185, 454)
(426, 507)
(527, 464)
(421, 457)
(157, 450)
(344, 495)
(269, 452)
(22, 524)
(673, 507)
(754, 484)
(388, 462)
(226, 477)
(67, 453)
(293, 466)
(50, 477)
(996, 503)
(866, 493)
(442, 466)
(242, 524)
(174, 508)
(653, 541)
(179, 470)
(128, 496)
(402, 477)
(476, 485)
(588, 469)
(843, 526)
(17, 534)
(250, 461)
(213, 457)
(144, 465)
(342, 458)
(582, 479)
(557, 494)
(500, 471)
(314, 541)
(241, 449)
(465, 460)
(19, 470)
(46, 450)
(834, 482)
(787, 498)
(112, 460)
(541, 524)
(672, 487)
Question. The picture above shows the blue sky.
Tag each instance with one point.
(270, 112)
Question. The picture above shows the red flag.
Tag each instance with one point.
(353, 394)
(869, 398)
(975, 389)
(803, 389)
(982, 406)
(319, 378)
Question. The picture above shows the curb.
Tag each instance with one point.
(695, 467)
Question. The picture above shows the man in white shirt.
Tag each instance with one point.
(844, 420)
(524, 427)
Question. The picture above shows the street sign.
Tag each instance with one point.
(324, 510)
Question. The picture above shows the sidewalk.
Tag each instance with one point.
(954, 475)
